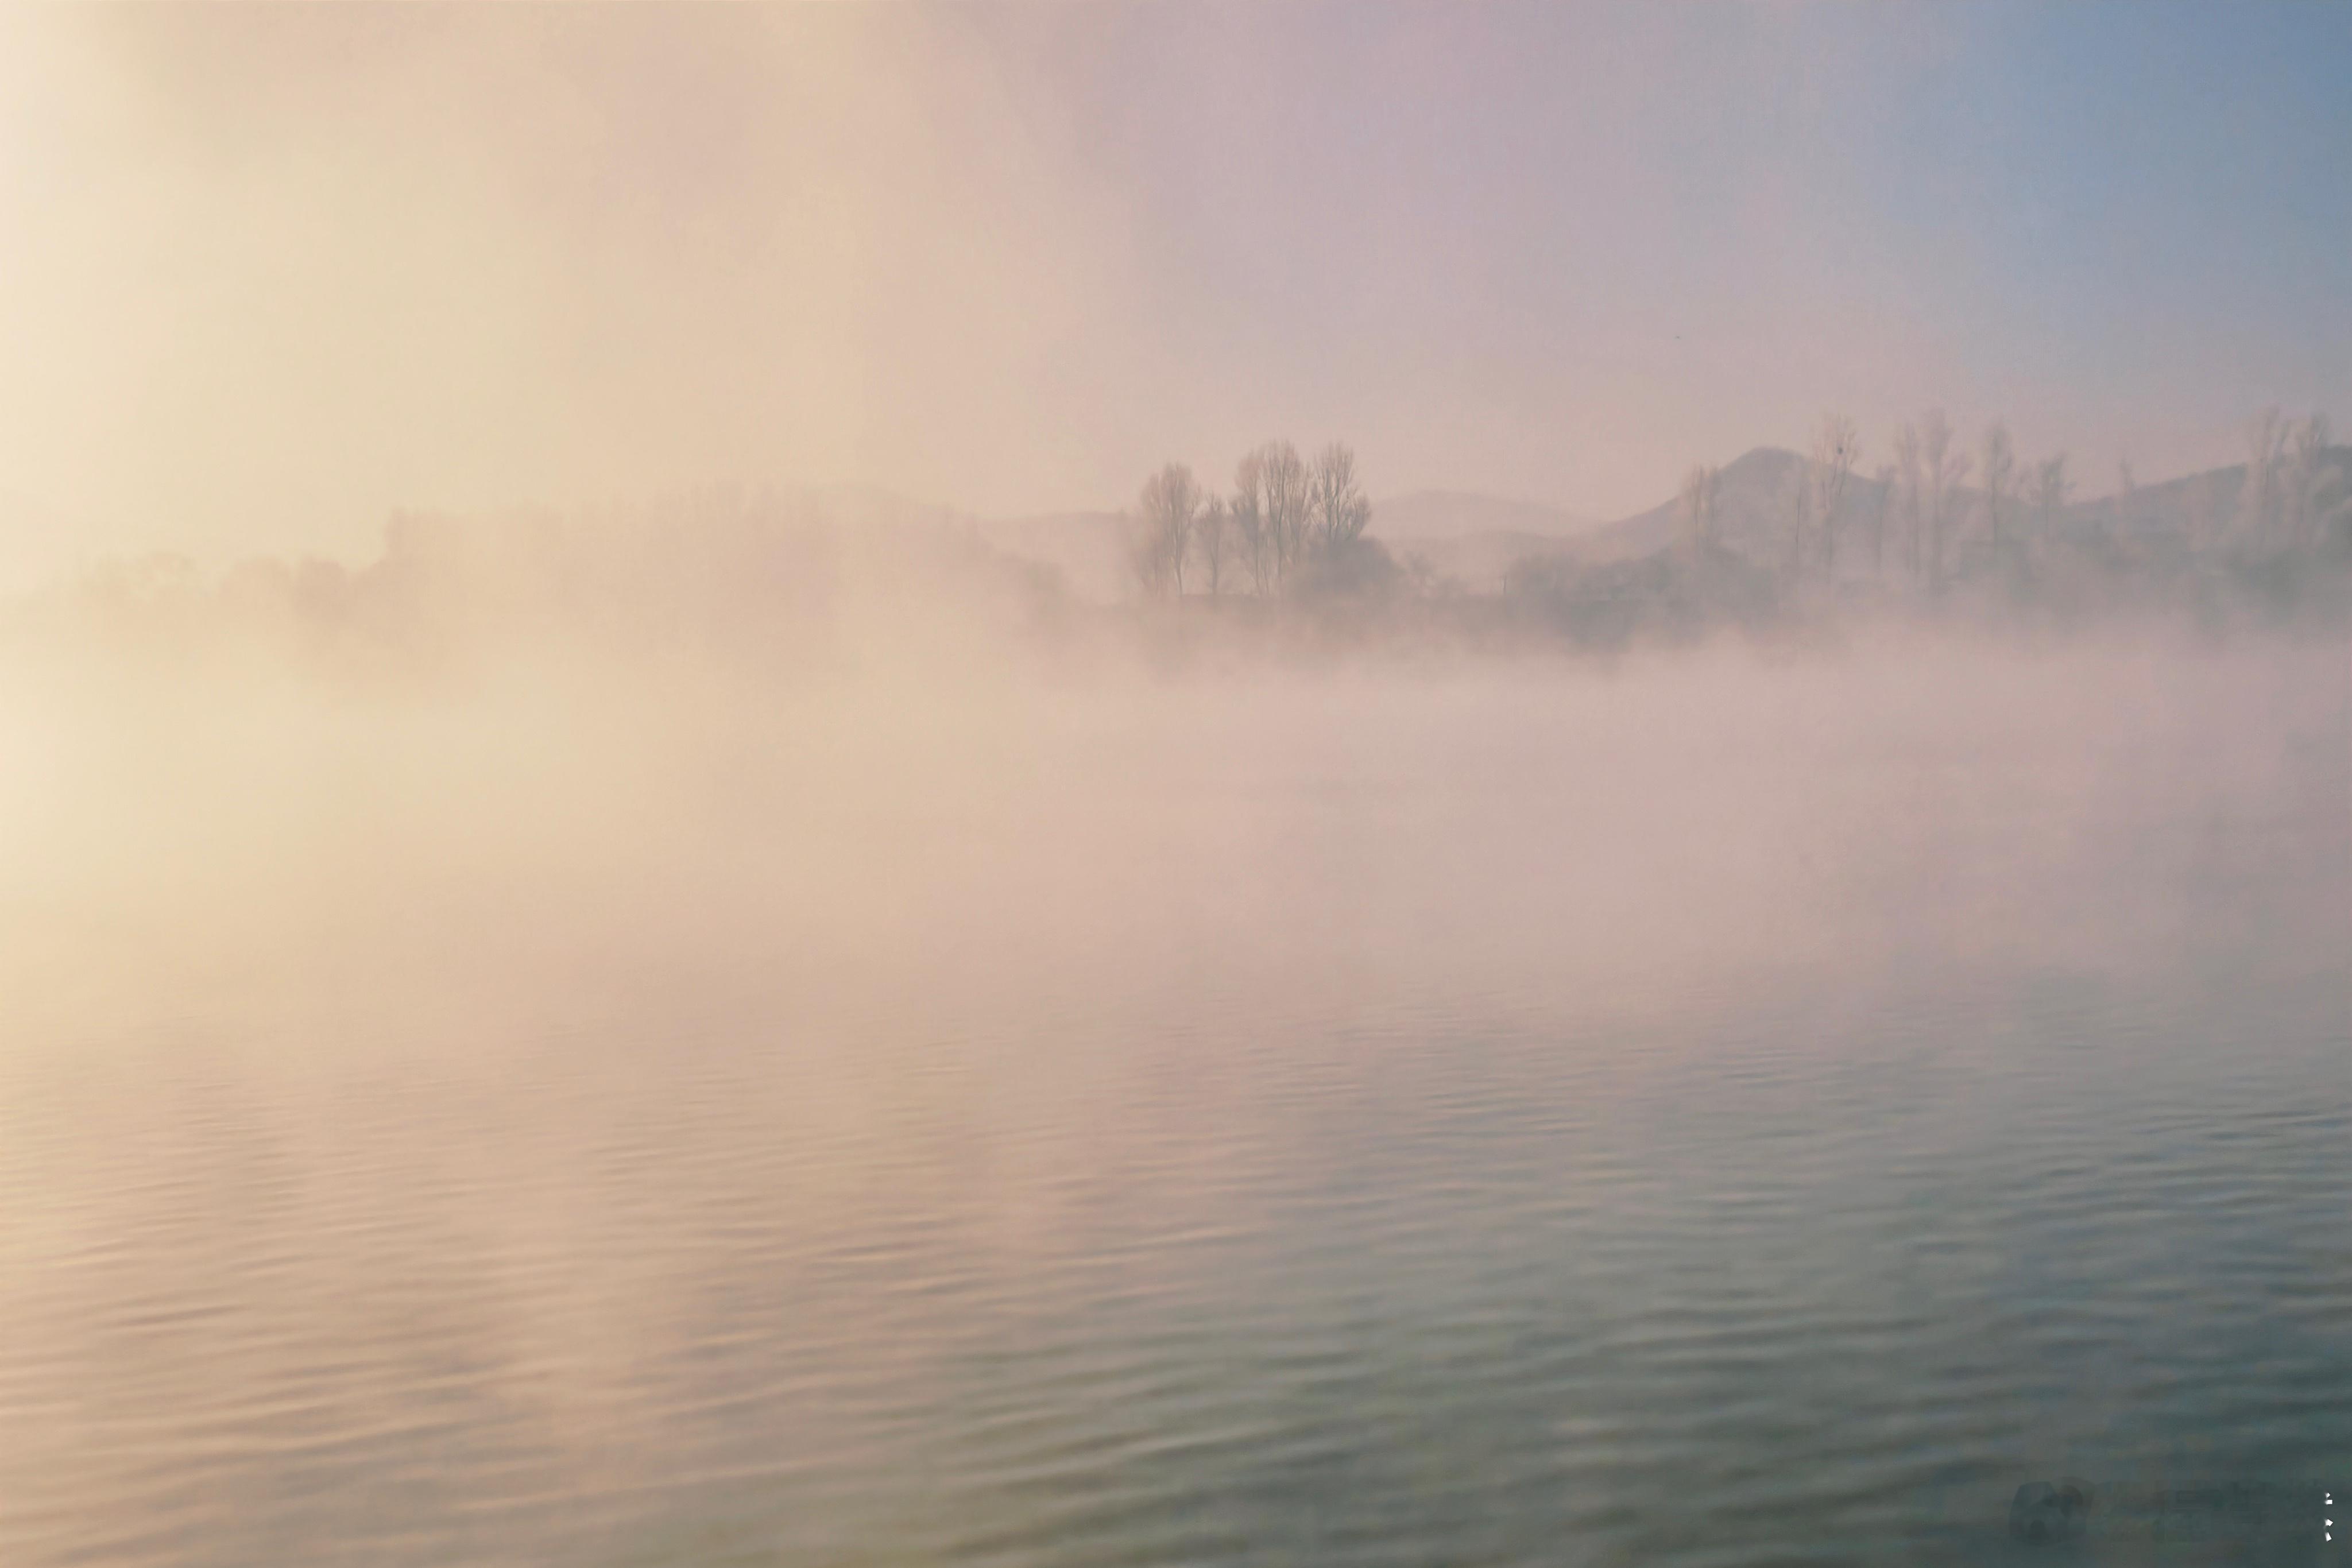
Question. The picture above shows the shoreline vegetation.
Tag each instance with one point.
(1778, 548)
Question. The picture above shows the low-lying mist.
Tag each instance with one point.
(518, 799)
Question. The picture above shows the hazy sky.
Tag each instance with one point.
(267, 274)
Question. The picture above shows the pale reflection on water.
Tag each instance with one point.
(1696, 1117)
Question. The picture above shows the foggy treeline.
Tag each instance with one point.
(1289, 527)
(1780, 539)
(1942, 529)
(759, 580)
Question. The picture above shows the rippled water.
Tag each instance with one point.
(1684, 1119)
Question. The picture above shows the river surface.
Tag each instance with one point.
(1724, 1113)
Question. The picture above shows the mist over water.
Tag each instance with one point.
(1072, 786)
(1712, 1106)
(1047, 786)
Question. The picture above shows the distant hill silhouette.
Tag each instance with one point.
(1751, 510)
(1751, 505)
(1757, 490)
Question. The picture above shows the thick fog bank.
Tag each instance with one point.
(234, 848)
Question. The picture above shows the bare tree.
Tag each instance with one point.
(2050, 487)
(1338, 512)
(1212, 529)
(1997, 466)
(1283, 491)
(1941, 472)
(2258, 499)
(1700, 487)
(1836, 448)
(1249, 521)
(1885, 479)
(1171, 504)
(2310, 481)
(1912, 509)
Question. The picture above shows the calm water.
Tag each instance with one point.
(1707, 1116)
